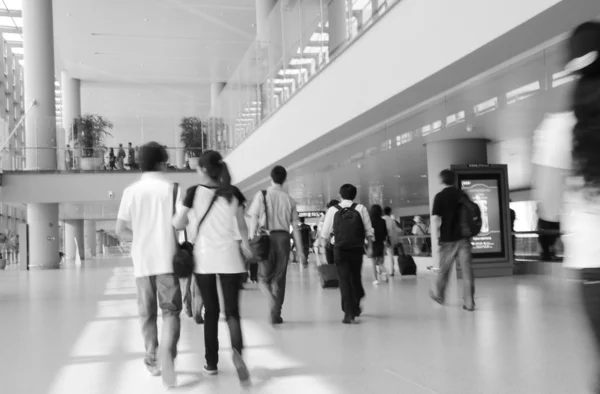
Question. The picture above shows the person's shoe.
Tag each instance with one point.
(277, 320)
(437, 299)
(471, 309)
(210, 370)
(240, 367)
(154, 370)
(392, 274)
(375, 283)
(169, 377)
(348, 319)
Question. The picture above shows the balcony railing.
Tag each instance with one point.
(301, 39)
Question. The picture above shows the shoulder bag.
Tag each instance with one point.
(261, 243)
(183, 261)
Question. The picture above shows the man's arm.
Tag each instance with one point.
(369, 233)
(296, 233)
(123, 227)
(123, 230)
(253, 213)
(327, 227)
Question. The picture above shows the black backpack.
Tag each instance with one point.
(469, 217)
(348, 228)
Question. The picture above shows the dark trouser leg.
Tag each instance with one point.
(169, 300)
(147, 309)
(447, 257)
(208, 290)
(590, 290)
(186, 289)
(357, 285)
(466, 266)
(329, 254)
(349, 270)
(282, 251)
(231, 299)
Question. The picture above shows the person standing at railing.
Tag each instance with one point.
(131, 157)
(69, 157)
(112, 159)
(121, 158)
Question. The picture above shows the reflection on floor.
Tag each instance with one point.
(75, 331)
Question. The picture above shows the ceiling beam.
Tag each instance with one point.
(15, 43)
(11, 13)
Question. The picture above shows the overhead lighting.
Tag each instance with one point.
(280, 81)
(523, 92)
(292, 71)
(360, 5)
(487, 106)
(7, 21)
(320, 37)
(18, 51)
(12, 37)
(300, 62)
(314, 50)
(56, 83)
(456, 118)
(57, 92)
(563, 78)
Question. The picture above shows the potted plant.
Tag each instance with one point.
(193, 139)
(89, 133)
(9, 242)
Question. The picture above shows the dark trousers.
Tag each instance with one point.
(230, 284)
(449, 253)
(273, 272)
(547, 241)
(590, 291)
(329, 254)
(349, 266)
(152, 292)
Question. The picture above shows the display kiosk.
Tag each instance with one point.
(487, 186)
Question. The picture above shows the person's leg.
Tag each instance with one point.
(446, 262)
(147, 309)
(169, 300)
(266, 270)
(375, 271)
(590, 293)
(231, 301)
(329, 254)
(343, 267)
(282, 251)
(390, 252)
(207, 284)
(465, 260)
(358, 291)
(186, 290)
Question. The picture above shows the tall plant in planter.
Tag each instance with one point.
(193, 137)
(89, 133)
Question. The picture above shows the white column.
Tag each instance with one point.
(73, 231)
(71, 102)
(40, 127)
(337, 15)
(440, 156)
(89, 238)
(43, 235)
(215, 91)
(263, 10)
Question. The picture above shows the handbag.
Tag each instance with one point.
(261, 243)
(183, 261)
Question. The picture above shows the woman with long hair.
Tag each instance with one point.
(381, 239)
(582, 209)
(214, 207)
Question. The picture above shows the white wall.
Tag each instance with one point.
(416, 39)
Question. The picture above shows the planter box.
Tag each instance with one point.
(90, 163)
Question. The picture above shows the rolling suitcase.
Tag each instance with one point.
(327, 272)
(407, 265)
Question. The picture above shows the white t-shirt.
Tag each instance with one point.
(147, 206)
(551, 156)
(581, 226)
(217, 247)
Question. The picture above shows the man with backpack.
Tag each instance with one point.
(351, 226)
(451, 215)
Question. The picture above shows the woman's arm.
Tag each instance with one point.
(180, 220)
(241, 221)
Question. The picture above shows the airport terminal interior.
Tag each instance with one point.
(380, 94)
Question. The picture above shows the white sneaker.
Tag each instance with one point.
(376, 283)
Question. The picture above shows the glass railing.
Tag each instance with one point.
(87, 160)
(300, 39)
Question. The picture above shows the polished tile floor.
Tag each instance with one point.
(75, 331)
